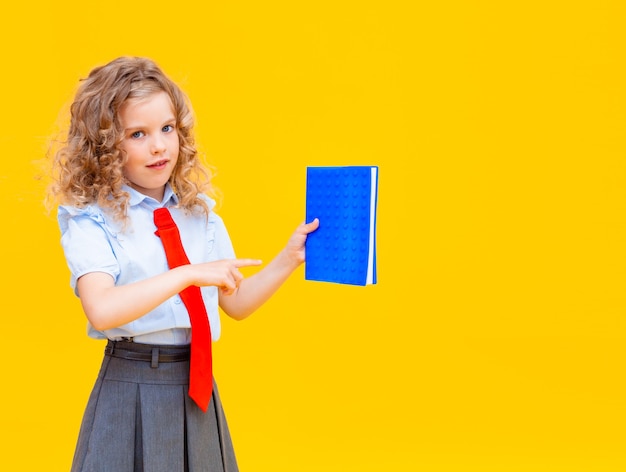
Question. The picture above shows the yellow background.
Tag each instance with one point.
(495, 338)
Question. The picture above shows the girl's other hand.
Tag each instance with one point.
(295, 245)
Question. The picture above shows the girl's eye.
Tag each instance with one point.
(137, 134)
(168, 128)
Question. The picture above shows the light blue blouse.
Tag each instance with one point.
(94, 242)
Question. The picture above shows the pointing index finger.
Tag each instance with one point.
(246, 262)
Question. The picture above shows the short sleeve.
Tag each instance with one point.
(222, 247)
(219, 243)
(86, 243)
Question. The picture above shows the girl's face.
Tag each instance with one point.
(150, 143)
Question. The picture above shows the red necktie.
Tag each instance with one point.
(200, 373)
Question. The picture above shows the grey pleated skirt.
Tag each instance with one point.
(139, 418)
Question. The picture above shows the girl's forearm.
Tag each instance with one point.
(255, 290)
(108, 306)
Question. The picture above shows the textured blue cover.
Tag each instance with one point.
(340, 248)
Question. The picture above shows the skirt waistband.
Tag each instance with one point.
(153, 353)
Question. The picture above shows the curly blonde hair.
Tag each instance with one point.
(88, 166)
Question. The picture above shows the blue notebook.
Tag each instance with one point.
(343, 249)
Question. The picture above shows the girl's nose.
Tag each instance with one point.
(157, 145)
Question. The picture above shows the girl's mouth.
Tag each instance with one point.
(158, 165)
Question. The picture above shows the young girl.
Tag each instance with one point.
(130, 151)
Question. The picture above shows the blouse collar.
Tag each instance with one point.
(136, 198)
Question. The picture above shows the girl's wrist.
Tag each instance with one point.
(290, 258)
(184, 276)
